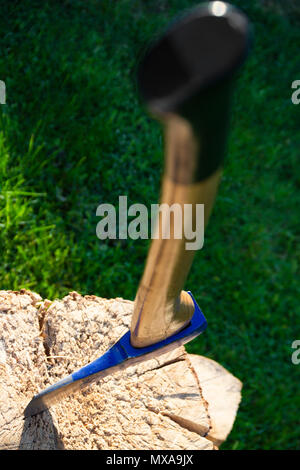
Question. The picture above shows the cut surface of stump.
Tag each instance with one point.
(175, 401)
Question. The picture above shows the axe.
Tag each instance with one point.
(185, 78)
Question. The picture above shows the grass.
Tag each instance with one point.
(73, 134)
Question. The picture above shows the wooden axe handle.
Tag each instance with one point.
(186, 79)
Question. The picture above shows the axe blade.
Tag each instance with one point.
(120, 356)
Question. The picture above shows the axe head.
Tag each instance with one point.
(120, 356)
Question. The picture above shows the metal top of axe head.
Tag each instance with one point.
(199, 49)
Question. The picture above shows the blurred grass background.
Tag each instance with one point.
(73, 135)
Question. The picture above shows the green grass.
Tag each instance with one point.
(73, 134)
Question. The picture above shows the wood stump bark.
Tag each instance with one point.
(176, 401)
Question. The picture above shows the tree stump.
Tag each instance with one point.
(176, 401)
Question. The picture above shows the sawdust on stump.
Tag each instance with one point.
(175, 401)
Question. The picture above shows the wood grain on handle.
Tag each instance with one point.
(161, 308)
